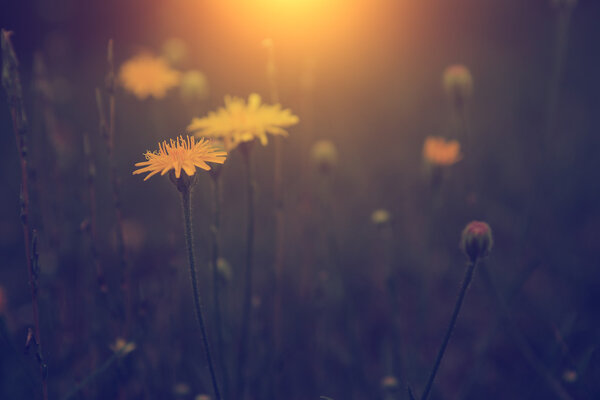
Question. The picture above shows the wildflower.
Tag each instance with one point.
(380, 217)
(122, 347)
(239, 121)
(476, 240)
(194, 86)
(180, 154)
(145, 75)
(324, 155)
(439, 151)
(458, 83)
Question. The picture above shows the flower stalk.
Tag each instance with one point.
(461, 295)
(246, 149)
(215, 174)
(186, 194)
(12, 85)
(476, 242)
(107, 130)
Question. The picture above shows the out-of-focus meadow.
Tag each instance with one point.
(358, 212)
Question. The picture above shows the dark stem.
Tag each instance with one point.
(107, 129)
(216, 226)
(553, 96)
(11, 81)
(247, 302)
(189, 242)
(459, 301)
(279, 241)
(92, 228)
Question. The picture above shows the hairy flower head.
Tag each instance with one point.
(439, 151)
(186, 154)
(146, 76)
(239, 121)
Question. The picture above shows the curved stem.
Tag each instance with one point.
(243, 350)
(189, 241)
(459, 301)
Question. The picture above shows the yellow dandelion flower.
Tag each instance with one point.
(439, 151)
(122, 347)
(186, 154)
(146, 75)
(239, 121)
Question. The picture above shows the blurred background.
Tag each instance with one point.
(365, 302)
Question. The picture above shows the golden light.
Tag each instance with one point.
(290, 19)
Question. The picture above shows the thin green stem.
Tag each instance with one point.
(186, 196)
(216, 284)
(243, 350)
(459, 301)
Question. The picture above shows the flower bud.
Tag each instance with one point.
(324, 155)
(476, 240)
(380, 217)
(389, 383)
(458, 83)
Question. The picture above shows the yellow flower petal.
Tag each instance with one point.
(186, 154)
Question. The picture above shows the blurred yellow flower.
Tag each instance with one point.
(438, 151)
(180, 154)
(240, 122)
(145, 75)
(194, 86)
(122, 347)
